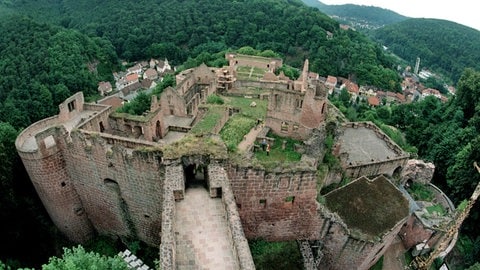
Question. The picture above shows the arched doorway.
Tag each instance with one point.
(397, 173)
(196, 175)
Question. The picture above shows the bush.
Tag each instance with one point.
(276, 255)
(214, 99)
(78, 258)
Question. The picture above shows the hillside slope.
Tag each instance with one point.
(179, 29)
(359, 16)
(442, 46)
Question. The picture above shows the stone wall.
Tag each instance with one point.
(239, 84)
(168, 244)
(294, 113)
(253, 61)
(418, 171)
(48, 172)
(239, 243)
(342, 249)
(276, 206)
(121, 190)
(99, 122)
(387, 167)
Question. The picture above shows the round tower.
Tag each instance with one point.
(40, 148)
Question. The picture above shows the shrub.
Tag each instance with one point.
(214, 99)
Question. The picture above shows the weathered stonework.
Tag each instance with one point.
(418, 171)
(100, 172)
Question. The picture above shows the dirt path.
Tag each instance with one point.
(249, 139)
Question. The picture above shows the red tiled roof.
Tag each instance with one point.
(132, 77)
(331, 80)
(373, 101)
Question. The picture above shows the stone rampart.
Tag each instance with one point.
(48, 172)
(238, 242)
(99, 122)
(31, 131)
(276, 206)
(122, 194)
(343, 249)
(168, 244)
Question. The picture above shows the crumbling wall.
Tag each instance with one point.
(342, 248)
(418, 171)
(121, 189)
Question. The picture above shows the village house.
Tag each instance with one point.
(373, 101)
(104, 88)
(150, 74)
(137, 69)
(331, 83)
(431, 92)
(127, 81)
(352, 88)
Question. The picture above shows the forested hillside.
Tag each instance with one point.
(443, 46)
(50, 49)
(358, 14)
(41, 65)
(181, 29)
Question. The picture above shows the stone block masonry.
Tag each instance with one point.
(276, 206)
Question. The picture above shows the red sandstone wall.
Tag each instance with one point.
(313, 110)
(51, 181)
(414, 232)
(122, 193)
(264, 211)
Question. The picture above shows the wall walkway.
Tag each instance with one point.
(202, 236)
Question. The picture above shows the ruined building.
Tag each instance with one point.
(101, 172)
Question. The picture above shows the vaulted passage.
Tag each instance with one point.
(201, 232)
(196, 175)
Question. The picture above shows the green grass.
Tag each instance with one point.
(436, 208)
(235, 129)
(209, 121)
(276, 255)
(247, 73)
(420, 192)
(277, 154)
(378, 265)
(260, 111)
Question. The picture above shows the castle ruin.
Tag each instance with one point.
(101, 172)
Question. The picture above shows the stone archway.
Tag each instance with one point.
(397, 172)
(195, 170)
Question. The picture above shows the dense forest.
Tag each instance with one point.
(50, 49)
(443, 46)
(369, 15)
(181, 29)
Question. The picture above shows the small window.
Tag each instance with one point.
(263, 202)
(284, 127)
(71, 106)
(102, 128)
(295, 128)
(298, 103)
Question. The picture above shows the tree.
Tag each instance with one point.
(77, 258)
